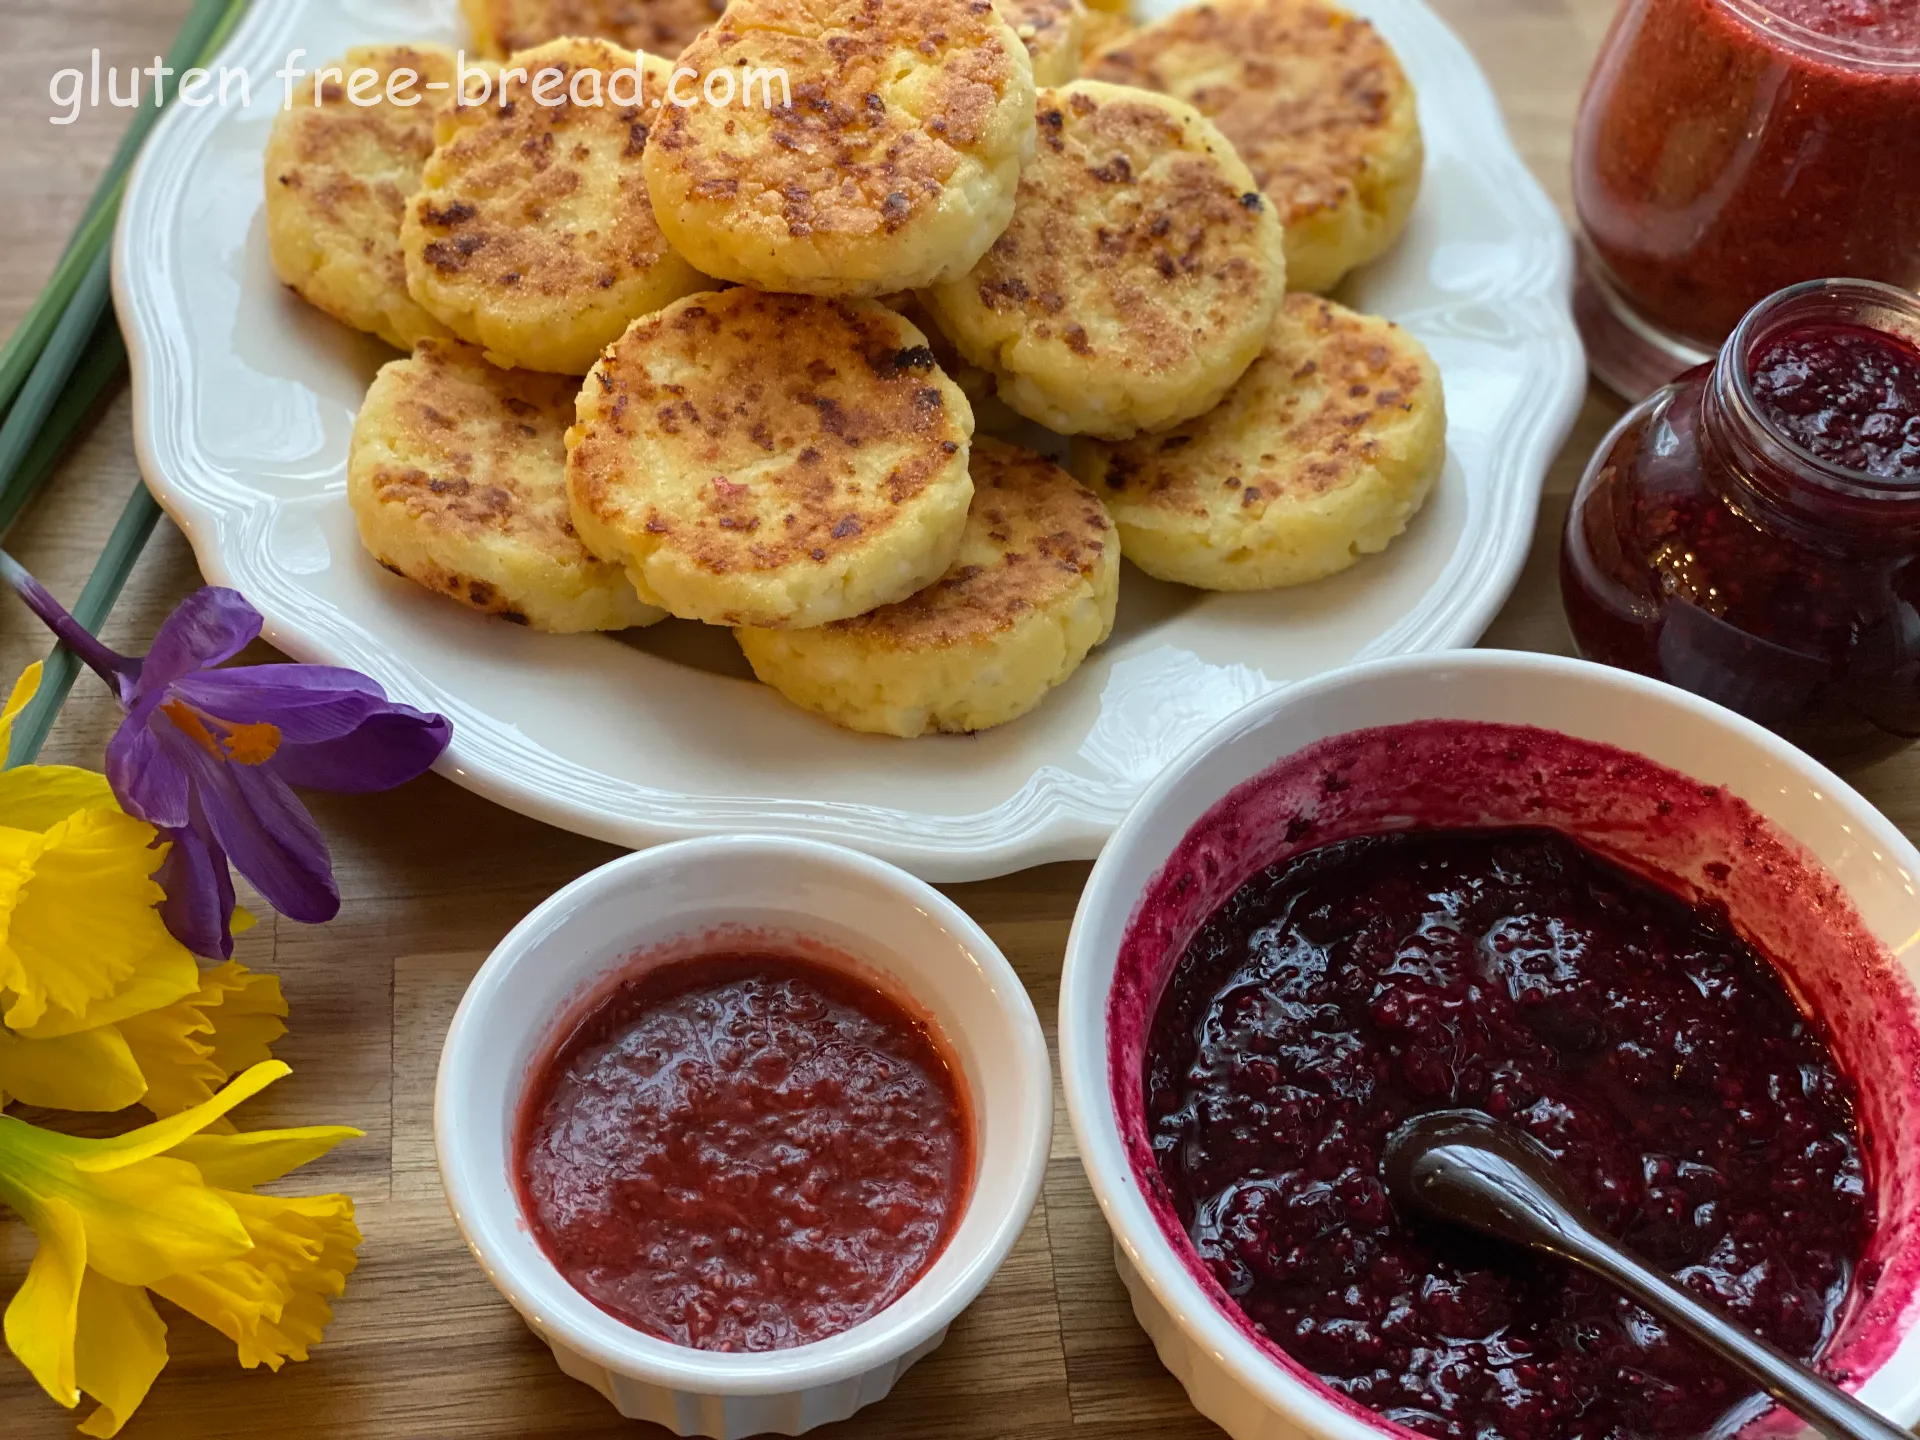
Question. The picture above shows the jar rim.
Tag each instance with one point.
(1762, 16)
(1734, 375)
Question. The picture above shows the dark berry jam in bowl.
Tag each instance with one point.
(1511, 879)
(740, 1125)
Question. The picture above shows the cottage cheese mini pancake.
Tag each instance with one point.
(1322, 453)
(1032, 592)
(457, 476)
(773, 460)
(893, 166)
(532, 235)
(1103, 29)
(1051, 30)
(1138, 276)
(338, 178)
(1315, 102)
(654, 27)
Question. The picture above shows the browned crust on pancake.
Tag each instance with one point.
(1338, 377)
(1304, 90)
(845, 157)
(1051, 532)
(657, 27)
(508, 483)
(1118, 217)
(320, 152)
(507, 165)
(795, 390)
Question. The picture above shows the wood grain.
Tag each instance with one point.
(433, 877)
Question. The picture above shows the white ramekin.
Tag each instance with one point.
(877, 915)
(1241, 1385)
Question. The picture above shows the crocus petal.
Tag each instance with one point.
(272, 1301)
(94, 1156)
(24, 689)
(208, 627)
(146, 777)
(387, 751)
(266, 833)
(240, 1162)
(199, 893)
(38, 797)
(45, 1310)
(306, 703)
(119, 1351)
(92, 1070)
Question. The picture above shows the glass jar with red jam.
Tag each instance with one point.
(1751, 532)
(1726, 149)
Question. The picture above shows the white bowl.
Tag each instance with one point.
(876, 915)
(1854, 963)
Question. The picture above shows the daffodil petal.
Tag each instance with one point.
(166, 975)
(24, 690)
(174, 1051)
(163, 1135)
(240, 1162)
(153, 1219)
(82, 920)
(272, 1302)
(44, 1312)
(93, 1070)
(38, 797)
(243, 921)
(121, 1348)
(250, 1018)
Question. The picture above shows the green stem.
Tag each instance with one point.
(106, 355)
(204, 31)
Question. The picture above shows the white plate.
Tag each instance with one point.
(245, 398)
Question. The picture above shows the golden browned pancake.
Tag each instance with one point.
(887, 161)
(457, 475)
(1138, 276)
(338, 178)
(1032, 591)
(1051, 30)
(533, 235)
(1104, 29)
(653, 27)
(1321, 454)
(1317, 105)
(773, 460)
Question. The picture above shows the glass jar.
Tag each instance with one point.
(1726, 149)
(1708, 549)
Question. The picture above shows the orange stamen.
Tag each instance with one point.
(191, 727)
(253, 744)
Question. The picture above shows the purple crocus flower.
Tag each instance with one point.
(210, 757)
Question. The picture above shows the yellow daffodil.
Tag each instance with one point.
(100, 1007)
(169, 1208)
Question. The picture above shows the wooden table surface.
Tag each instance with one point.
(433, 876)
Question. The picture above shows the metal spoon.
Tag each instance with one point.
(1466, 1168)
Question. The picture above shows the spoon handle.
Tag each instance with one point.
(1826, 1406)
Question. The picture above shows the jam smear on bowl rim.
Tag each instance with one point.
(744, 1142)
(1695, 842)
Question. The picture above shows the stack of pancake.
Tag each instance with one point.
(726, 349)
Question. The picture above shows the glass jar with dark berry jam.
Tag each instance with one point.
(1751, 532)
